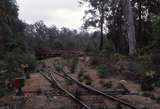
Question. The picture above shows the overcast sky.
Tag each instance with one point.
(61, 13)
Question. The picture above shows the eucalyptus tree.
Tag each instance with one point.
(130, 25)
(13, 49)
(97, 13)
(144, 10)
(102, 10)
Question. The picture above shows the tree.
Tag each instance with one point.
(116, 30)
(40, 36)
(106, 8)
(12, 43)
(97, 19)
(129, 16)
(144, 10)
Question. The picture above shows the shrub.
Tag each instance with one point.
(81, 73)
(81, 79)
(158, 99)
(28, 63)
(2, 91)
(146, 94)
(14, 61)
(157, 83)
(146, 61)
(108, 48)
(58, 65)
(146, 87)
(28, 59)
(148, 81)
(118, 57)
(74, 64)
(102, 71)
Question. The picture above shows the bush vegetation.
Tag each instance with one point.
(102, 71)
(74, 64)
(58, 45)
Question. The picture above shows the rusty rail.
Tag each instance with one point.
(96, 91)
(53, 80)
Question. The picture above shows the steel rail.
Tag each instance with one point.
(53, 80)
(96, 91)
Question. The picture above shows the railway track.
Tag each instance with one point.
(91, 89)
(64, 75)
(53, 80)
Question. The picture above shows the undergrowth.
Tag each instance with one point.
(102, 71)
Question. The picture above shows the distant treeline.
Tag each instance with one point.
(38, 35)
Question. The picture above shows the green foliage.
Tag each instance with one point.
(13, 49)
(81, 75)
(118, 57)
(145, 60)
(108, 48)
(2, 91)
(146, 94)
(59, 65)
(148, 81)
(156, 30)
(57, 44)
(158, 99)
(28, 59)
(157, 83)
(10, 7)
(81, 78)
(14, 60)
(74, 64)
(102, 71)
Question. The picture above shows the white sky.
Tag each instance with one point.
(62, 13)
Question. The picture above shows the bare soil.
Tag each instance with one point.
(41, 100)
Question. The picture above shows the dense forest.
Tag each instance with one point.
(125, 31)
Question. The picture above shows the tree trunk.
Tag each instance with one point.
(139, 25)
(129, 16)
(101, 27)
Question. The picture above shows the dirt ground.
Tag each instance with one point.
(44, 96)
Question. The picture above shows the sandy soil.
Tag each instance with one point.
(50, 100)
